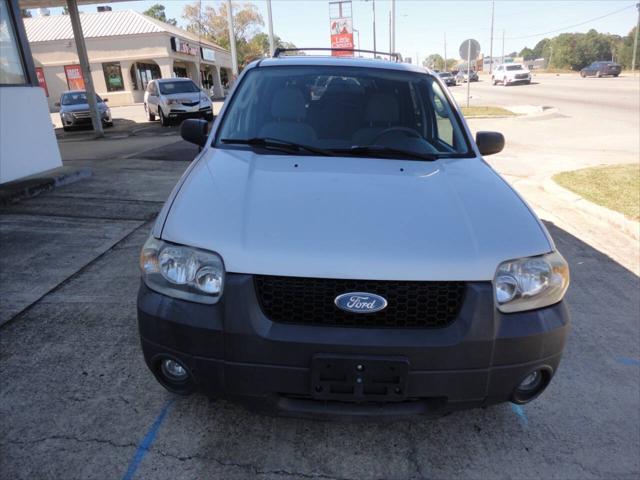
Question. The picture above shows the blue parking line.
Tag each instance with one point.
(628, 361)
(522, 416)
(147, 441)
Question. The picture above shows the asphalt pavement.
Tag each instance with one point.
(76, 399)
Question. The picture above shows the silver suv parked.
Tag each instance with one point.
(174, 99)
(348, 251)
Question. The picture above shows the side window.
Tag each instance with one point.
(443, 116)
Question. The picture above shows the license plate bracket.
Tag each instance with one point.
(358, 378)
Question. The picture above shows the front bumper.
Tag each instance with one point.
(77, 121)
(181, 113)
(233, 351)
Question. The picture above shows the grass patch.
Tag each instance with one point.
(470, 112)
(616, 187)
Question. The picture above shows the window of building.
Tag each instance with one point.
(113, 76)
(143, 73)
(11, 67)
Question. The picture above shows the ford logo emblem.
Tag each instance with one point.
(360, 302)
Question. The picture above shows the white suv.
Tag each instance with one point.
(511, 73)
(347, 251)
(174, 99)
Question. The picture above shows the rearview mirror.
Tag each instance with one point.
(489, 142)
(195, 131)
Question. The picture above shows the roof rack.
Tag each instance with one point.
(394, 56)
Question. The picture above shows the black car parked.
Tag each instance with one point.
(600, 69)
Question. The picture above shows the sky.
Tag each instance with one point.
(421, 25)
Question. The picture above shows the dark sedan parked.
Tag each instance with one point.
(74, 110)
(600, 69)
(448, 79)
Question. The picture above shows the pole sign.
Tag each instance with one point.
(341, 27)
(469, 50)
(342, 36)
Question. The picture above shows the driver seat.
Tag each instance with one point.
(382, 112)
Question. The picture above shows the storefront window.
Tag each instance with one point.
(113, 76)
(11, 68)
(143, 73)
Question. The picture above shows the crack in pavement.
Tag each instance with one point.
(252, 468)
(70, 438)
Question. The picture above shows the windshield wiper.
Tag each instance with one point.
(381, 150)
(276, 144)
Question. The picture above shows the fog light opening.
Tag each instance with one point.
(173, 370)
(174, 375)
(531, 385)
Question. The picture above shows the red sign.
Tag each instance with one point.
(75, 80)
(342, 36)
(41, 80)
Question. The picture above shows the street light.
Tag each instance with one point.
(374, 25)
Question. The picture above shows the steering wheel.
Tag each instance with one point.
(409, 131)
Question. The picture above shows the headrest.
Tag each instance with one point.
(382, 108)
(288, 104)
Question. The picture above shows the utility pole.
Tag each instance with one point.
(393, 26)
(85, 67)
(358, 32)
(232, 40)
(635, 42)
(502, 46)
(374, 28)
(491, 42)
(468, 71)
(272, 46)
(445, 51)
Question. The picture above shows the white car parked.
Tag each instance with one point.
(347, 251)
(511, 73)
(174, 99)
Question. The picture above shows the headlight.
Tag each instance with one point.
(182, 272)
(67, 116)
(532, 282)
(172, 101)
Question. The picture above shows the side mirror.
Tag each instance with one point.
(489, 142)
(57, 104)
(105, 100)
(195, 131)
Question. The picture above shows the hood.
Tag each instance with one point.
(186, 97)
(355, 218)
(81, 107)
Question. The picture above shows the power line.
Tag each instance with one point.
(571, 26)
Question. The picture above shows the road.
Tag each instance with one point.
(76, 400)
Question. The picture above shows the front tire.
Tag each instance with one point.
(494, 81)
(504, 82)
(583, 74)
(598, 75)
(163, 120)
(150, 116)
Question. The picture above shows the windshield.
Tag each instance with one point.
(444, 75)
(359, 107)
(76, 98)
(514, 67)
(168, 88)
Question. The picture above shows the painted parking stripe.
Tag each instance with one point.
(522, 416)
(628, 361)
(147, 441)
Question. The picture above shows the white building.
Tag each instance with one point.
(126, 50)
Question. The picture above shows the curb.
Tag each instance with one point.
(13, 192)
(615, 219)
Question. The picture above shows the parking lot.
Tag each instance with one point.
(77, 400)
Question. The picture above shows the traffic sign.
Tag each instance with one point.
(470, 48)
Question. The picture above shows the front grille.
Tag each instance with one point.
(310, 301)
(522, 75)
(82, 114)
(190, 104)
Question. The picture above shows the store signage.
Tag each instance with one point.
(208, 54)
(75, 80)
(341, 36)
(41, 80)
(183, 47)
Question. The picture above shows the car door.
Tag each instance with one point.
(152, 97)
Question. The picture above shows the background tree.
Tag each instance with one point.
(527, 54)
(542, 50)
(211, 23)
(436, 62)
(157, 11)
(625, 50)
